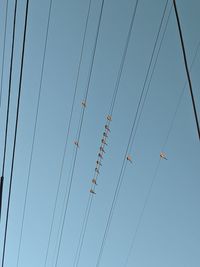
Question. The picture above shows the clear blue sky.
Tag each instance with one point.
(169, 234)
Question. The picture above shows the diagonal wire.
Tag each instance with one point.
(34, 133)
(181, 94)
(15, 133)
(9, 95)
(151, 76)
(186, 68)
(4, 47)
(68, 131)
(67, 193)
(116, 88)
(121, 175)
(123, 58)
(158, 164)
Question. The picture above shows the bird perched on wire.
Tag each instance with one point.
(98, 163)
(94, 181)
(76, 143)
(84, 104)
(97, 170)
(92, 191)
(129, 158)
(109, 118)
(107, 128)
(103, 141)
(100, 156)
(162, 155)
(102, 149)
(105, 135)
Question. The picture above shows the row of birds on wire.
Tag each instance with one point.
(102, 151)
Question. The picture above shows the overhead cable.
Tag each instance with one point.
(15, 131)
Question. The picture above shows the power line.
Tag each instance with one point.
(121, 175)
(67, 193)
(83, 231)
(4, 47)
(86, 212)
(181, 94)
(123, 58)
(151, 76)
(186, 68)
(8, 100)
(116, 88)
(68, 131)
(158, 164)
(15, 132)
(34, 131)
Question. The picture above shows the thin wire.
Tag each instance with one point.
(68, 131)
(83, 231)
(116, 88)
(158, 164)
(142, 212)
(8, 100)
(123, 58)
(34, 133)
(186, 68)
(181, 96)
(121, 175)
(4, 47)
(79, 132)
(151, 76)
(16, 128)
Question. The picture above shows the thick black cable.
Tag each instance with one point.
(8, 103)
(34, 132)
(67, 195)
(157, 166)
(4, 48)
(186, 68)
(121, 175)
(116, 88)
(68, 131)
(16, 128)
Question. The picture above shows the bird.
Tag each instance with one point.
(100, 156)
(92, 191)
(98, 163)
(107, 128)
(129, 158)
(76, 143)
(109, 118)
(94, 181)
(84, 104)
(105, 134)
(103, 142)
(102, 149)
(97, 170)
(162, 155)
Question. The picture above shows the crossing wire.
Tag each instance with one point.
(4, 47)
(68, 131)
(158, 164)
(111, 109)
(9, 94)
(120, 179)
(15, 132)
(78, 135)
(186, 68)
(34, 133)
